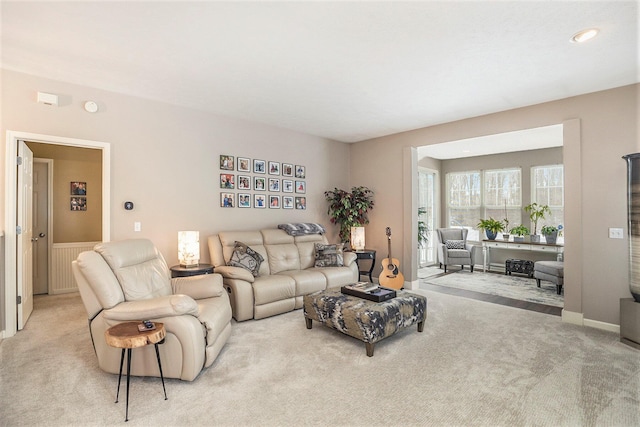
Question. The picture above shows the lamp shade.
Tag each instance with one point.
(188, 248)
(357, 238)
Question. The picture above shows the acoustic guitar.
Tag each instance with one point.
(391, 277)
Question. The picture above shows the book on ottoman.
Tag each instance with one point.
(378, 294)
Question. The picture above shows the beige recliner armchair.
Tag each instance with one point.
(129, 281)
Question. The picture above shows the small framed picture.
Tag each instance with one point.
(244, 200)
(274, 202)
(78, 204)
(259, 166)
(274, 168)
(287, 202)
(274, 184)
(78, 188)
(244, 182)
(259, 201)
(300, 171)
(301, 187)
(227, 200)
(301, 203)
(287, 169)
(259, 183)
(287, 186)
(226, 162)
(227, 180)
(244, 164)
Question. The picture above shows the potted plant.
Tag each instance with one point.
(349, 209)
(551, 233)
(536, 212)
(491, 226)
(505, 236)
(519, 232)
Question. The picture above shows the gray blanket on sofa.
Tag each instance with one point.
(300, 228)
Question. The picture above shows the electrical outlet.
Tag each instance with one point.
(616, 233)
(137, 226)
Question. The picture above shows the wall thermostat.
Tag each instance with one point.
(128, 205)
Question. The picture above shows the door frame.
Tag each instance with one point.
(49, 163)
(10, 321)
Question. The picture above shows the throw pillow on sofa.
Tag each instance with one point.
(329, 255)
(455, 244)
(245, 257)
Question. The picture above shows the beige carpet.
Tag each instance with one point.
(475, 364)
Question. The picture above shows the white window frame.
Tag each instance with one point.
(535, 197)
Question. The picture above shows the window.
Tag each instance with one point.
(547, 188)
(464, 201)
(503, 195)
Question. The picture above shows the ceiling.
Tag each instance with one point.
(348, 71)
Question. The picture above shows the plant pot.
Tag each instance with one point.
(505, 236)
(491, 235)
(535, 238)
(551, 238)
(518, 239)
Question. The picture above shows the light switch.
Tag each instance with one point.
(137, 226)
(616, 233)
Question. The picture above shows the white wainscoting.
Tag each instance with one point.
(62, 280)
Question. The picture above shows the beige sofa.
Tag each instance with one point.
(287, 273)
(129, 281)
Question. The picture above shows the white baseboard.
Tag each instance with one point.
(412, 285)
(578, 319)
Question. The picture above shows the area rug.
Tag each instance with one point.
(425, 272)
(515, 287)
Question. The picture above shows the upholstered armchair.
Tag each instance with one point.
(129, 281)
(453, 248)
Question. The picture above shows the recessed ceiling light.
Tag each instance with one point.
(584, 35)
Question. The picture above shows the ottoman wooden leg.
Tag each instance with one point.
(309, 322)
(369, 347)
(421, 326)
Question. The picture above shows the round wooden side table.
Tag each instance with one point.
(127, 337)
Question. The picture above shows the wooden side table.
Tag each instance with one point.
(127, 337)
(179, 271)
(366, 254)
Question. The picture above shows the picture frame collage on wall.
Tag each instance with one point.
(257, 180)
(78, 200)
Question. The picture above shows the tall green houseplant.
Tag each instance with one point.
(349, 209)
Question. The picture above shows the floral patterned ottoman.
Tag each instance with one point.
(365, 320)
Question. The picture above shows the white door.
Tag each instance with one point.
(41, 226)
(24, 248)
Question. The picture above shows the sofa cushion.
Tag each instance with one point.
(337, 276)
(455, 244)
(273, 288)
(329, 255)
(245, 257)
(283, 257)
(307, 281)
(458, 253)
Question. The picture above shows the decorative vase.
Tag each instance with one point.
(551, 238)
(505, 236)
(535, 238)
(633, 222)
(491, 235)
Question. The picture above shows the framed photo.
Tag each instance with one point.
(78, 204)
(259, 183)
(287, 169)
(244, 200)
(227, 200)
(259, 201)
(274, 168)
(244, 164)
(78, 188)
(274, 184)
(244, 183)
(301, 187)
(300, 171)
(287, 186)
(227, 180)
(274, 202)
(287, 202)
(259, 166)
(226, 162)
(301, 203)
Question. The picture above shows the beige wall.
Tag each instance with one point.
(165, 159)
(599, 129)
(74, 164)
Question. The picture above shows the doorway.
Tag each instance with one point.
(12, 306)
(42, 239)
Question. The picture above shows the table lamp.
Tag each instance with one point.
(357, 238)
(188, 248)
